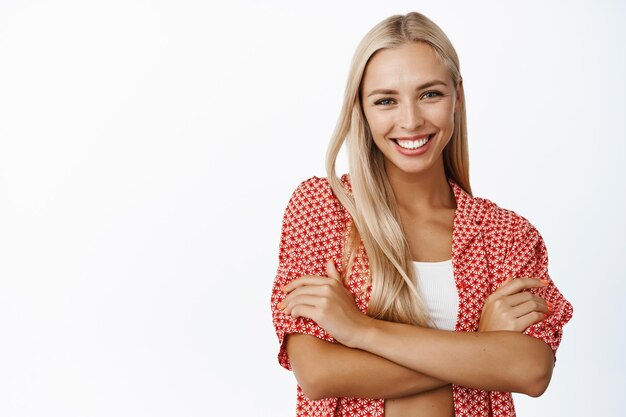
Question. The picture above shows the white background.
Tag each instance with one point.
(148, 150)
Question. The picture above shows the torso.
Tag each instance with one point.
(437, 402)
(430, 240)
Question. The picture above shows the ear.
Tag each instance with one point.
(459, 90)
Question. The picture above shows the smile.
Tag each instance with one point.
(411, 143)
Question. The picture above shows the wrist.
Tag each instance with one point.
(365, 333)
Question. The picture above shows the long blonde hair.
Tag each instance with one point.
(372, 205)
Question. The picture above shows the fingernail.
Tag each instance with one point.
(281, 305)
(545, 316)
(283, 288)
(544, 281)
(550, 307)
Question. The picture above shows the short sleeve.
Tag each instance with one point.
(309, 237)
(529, 258)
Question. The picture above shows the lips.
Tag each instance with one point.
(412, 142)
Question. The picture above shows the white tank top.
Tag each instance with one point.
(436, 281)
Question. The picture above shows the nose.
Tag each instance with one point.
(410, 117)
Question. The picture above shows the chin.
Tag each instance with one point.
(411, 170)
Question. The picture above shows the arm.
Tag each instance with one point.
(325, 370)
(530, 258)
(499, 360)
(322, 368)
(491, 361)
(495, 361)
(331, 370)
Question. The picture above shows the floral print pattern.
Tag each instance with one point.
(488, 244)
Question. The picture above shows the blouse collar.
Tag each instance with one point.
(468, 218)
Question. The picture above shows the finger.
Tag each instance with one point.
(302, 300)
(305, 280)
(531, 318)
(522, 297)
(518, 284)
(529, 307)
(508, 279)
(316, 290)
(331, 269)
(303, 310)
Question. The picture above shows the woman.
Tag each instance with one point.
(398, 293)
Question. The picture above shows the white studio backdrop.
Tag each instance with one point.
(148, 150)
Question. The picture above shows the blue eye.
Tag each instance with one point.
(384, 102)
(431, 94)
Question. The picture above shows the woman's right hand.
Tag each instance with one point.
(511, 308)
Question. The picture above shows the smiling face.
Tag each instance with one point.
(408, 99)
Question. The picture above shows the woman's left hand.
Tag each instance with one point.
(326, 301)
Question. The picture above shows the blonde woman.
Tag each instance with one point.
(398, 293)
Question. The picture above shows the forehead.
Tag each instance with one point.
(408, 65)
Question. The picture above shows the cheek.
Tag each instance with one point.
(442, 116)
(379, 122)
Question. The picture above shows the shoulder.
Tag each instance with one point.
(508, 220)
(319, 186)
(315, 191)
(484, 214)
(313, 187)
(314, 226)
(313, 200)
(515, 244)
(505, 223)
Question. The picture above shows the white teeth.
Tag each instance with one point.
(412, 144)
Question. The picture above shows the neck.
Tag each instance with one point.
(423, 193)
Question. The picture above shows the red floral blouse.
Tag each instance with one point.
(488, 244)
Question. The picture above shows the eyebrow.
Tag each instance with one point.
(421, 87)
